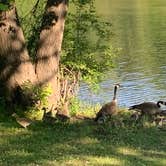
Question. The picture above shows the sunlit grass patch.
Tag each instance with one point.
(109, 160)
(128, 151)
(88, 140)
(79, 108)
(82, 142)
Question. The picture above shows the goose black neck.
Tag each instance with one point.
(160, 102)
(115, 92)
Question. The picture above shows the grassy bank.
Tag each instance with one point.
(79, 143)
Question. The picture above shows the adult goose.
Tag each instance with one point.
(148, 108)
(108, 109)
(24, 122)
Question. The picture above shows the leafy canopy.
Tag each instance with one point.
(5, 4)
(86, 45)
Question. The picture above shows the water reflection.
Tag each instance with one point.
(140, 29)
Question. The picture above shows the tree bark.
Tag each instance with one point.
(49, 47)
(15, 64)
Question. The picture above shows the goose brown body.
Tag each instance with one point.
(110, 108)
(24, 122)
(149, 108)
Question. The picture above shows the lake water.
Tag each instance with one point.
(140, 30)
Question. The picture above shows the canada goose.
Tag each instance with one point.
(160, 120)
(135, 116)
(48, 116)
(24, 122)
(108, 109)
(163, 113)
(63, 113)
(148, 108)
(62, 116)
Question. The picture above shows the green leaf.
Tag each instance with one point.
(3, 7)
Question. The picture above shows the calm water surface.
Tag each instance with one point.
(140, 30)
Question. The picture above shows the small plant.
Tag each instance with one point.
(86, 46)
(74, 106)
(2, 104)
(79, 108)
(38, 94)
(2, 108)
(5, 5)
(33, 99)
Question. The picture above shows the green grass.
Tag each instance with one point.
(81, 143)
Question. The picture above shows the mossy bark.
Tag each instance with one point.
(15, 64)
(49, 47)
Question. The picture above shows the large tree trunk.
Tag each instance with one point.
(15, 64)
(49, 47)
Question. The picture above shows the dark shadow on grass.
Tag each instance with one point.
(43, 144)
